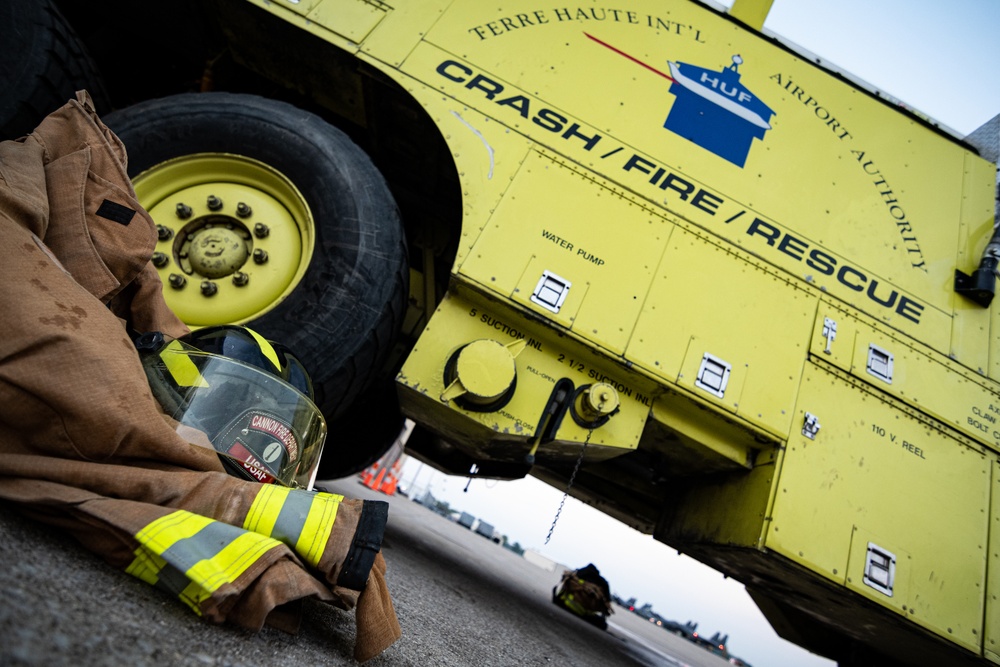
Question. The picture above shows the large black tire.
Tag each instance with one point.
(374, 419)
(43, 65)
(344, 315)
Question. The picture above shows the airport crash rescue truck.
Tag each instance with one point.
(741, 299)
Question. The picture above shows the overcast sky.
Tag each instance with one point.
(940, 58)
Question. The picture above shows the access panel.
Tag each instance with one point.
(884, 502)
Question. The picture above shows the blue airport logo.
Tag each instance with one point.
(715, 111)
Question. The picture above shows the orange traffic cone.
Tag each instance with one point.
(383, 475)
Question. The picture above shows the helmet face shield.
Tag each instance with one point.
(246, 345)
(265, 428)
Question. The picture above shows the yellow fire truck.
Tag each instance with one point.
(737, 300)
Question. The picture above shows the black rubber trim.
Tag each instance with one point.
(552, 416)
(366, 544)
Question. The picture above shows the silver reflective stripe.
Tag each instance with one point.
(292, 517)
(301, 519)
(192, 556)
(187, 552)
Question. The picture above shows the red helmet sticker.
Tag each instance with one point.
(251, 466)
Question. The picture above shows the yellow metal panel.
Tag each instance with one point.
(726, 509)
(991, 638)
(701, 351)
(874, 473)
(487, 155)
(295, 13)
(301, 7)
(864, 225)
(970, 336)
(994, 328)
(344, 23)
(751, 12)
(529, 280)
(546, 358)
(837, 349)
(402, 28)
(707, 299)
(710, 442)
(353, 19)
(552, 218)
(970, 340)
(659, 343)
(924, 379)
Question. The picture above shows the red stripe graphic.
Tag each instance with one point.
(635, 60)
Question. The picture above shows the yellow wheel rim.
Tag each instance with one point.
(235, 236)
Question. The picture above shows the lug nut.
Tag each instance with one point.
(208, 288)
(183, 211)
(177, 281)
(260, 256)
(214, 203)
(164, 233)
(260, 230)
(243, 211)
(240, 279)
(160, 259)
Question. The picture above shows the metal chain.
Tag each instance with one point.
(569, 486)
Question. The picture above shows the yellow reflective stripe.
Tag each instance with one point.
(574, 605)
(163, 533)
(318, 526)
(266, 348)
(181, 368)
(265, 509)
(192, 556)
(208, 575)
(146, 566)
(301, 519)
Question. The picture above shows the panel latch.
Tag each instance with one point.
(880, 569)
(713, 375)
(551, 291)
(829, 332)
(880, 363)
(810, 427)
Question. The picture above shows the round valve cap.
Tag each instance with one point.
(601, 399)
(486, 370)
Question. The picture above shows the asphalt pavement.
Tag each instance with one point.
(461, 600)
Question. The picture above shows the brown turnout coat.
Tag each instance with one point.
(83, 445)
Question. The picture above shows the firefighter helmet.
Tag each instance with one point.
(229, 388)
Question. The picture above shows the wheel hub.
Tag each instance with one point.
(216, 252)
(214, 212)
